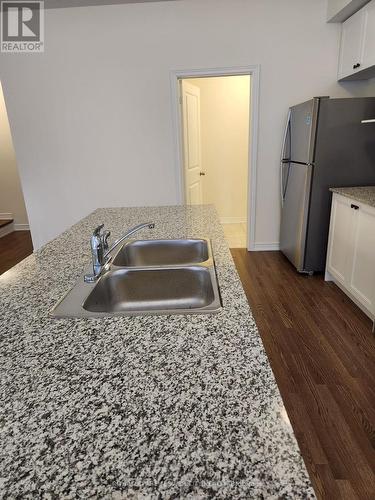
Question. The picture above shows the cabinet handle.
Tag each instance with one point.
(356, 207)
(355, 66)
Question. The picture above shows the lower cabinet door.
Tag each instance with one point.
(362, 272)
(340, 238)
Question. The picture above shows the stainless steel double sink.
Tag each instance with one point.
(175, 276)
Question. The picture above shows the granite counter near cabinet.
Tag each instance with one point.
(134, 407)
(362, 194)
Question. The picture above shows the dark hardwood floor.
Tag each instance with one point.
(14, 247)
(322, 352)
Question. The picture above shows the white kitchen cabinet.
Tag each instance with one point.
(338, 11)
(351, 46)
(361, 279)
(357, 47)
(368, 54)
(351, 251)
(339, 247)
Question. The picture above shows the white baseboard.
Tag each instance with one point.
(21, 227)
(12, 227)
(6, 230)
(232, 220)
(265, 247)
(6, 216)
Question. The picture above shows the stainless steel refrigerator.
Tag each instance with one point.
(325, 145)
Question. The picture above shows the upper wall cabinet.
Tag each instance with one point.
(351, 46)
(357, 48)
(368, 56)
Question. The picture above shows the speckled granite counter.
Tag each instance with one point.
(137, 407)
(361, 194)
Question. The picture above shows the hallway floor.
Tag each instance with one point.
(14, 247)
(235, 235)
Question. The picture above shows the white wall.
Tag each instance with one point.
(11, 197)
(225, 141)
(91, 117)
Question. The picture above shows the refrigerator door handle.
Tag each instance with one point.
(284, 160)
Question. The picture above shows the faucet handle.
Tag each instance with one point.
(98, 230)
(104, 238)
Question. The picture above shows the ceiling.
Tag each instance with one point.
(53, 4)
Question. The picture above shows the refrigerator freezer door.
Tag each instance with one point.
(303, 125)
(294, 214)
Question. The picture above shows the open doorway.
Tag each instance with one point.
(15, 238)
(215, 123)
(217, 146)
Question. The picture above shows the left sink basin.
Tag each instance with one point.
(149, 253)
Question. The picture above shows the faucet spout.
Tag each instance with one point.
(129, 233)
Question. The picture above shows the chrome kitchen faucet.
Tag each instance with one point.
(101, 252)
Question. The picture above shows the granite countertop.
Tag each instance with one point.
(361, 194)
(136, 407)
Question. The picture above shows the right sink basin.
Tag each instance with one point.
(154, 290)
(150, 253)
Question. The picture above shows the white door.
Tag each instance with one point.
(362, 274)
(351, 47)
(190, 96)
(340, 238)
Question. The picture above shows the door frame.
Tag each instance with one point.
(254, 72)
